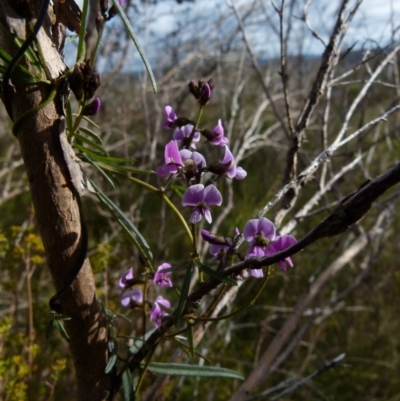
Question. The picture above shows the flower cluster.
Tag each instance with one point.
(185, 162)
(190, 165)
(261, 235)
(132, 296)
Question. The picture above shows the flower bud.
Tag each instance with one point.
(92, 108)
(205, 95)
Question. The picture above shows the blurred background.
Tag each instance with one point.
(354, 307)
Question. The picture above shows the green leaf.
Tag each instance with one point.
(127, 225)
(140, 341)
(183, 295)
(100, 170)
(214, 274)
(112, 361)
(20, 73)
(127, 386)
(179, 190)
(61, 330)
(81, 51)
(135, 40)
(50, 328)
(120, 315)
(91, 143)
(29, 54)
(180, 369)
(92, 134)
(90, 121)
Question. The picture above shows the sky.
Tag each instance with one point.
(372, 25)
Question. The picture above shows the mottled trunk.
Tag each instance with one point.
(56, 206)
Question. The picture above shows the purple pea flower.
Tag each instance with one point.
(232, 170)
(205, 94)
(172, 160)
(183, 134)
(121, 2)
(132, 298)
(261, 234)
(279, 244)
(227, 167)
(162, 279)
(218, 135)
(192, 158)
(157, 313)
(125, 279)
(92, 108)
(193, 165)
(201, 198)
(171, 117)
(218, 245)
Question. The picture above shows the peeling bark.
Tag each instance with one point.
(56, 208)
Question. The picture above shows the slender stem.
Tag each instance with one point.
(141, 378)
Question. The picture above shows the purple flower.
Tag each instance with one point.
(162, 279)
(172, 160)
(125, 278)
(279, 244)
(201, 198)
(261, 234)
(183, 134)
(232, 171)
(157, 313)
(227, 167)
(205, 94)
(171, 117)
(218, 135)
(92, 108)
(218, 245)
(132, 298)
(121, 2)
(192, 158)
(193, 165)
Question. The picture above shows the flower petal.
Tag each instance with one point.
(196, 216)
(257, 273)
(267, 228)
(212, 196)
(193, 195)
(250, 230)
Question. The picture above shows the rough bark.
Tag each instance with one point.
(57, 209)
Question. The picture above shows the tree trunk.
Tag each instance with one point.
(56, 207)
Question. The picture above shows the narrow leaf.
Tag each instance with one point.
(183, 295)
(90, 121)
(214, 274)
(135, 40)
(61, 329)
(100, 170)
(92, 134)
(29, 54)
(127, 386)
(81, 52)
(181, 369)
(91, 143)
(127, 225)
(50, 328)
(111, 363)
